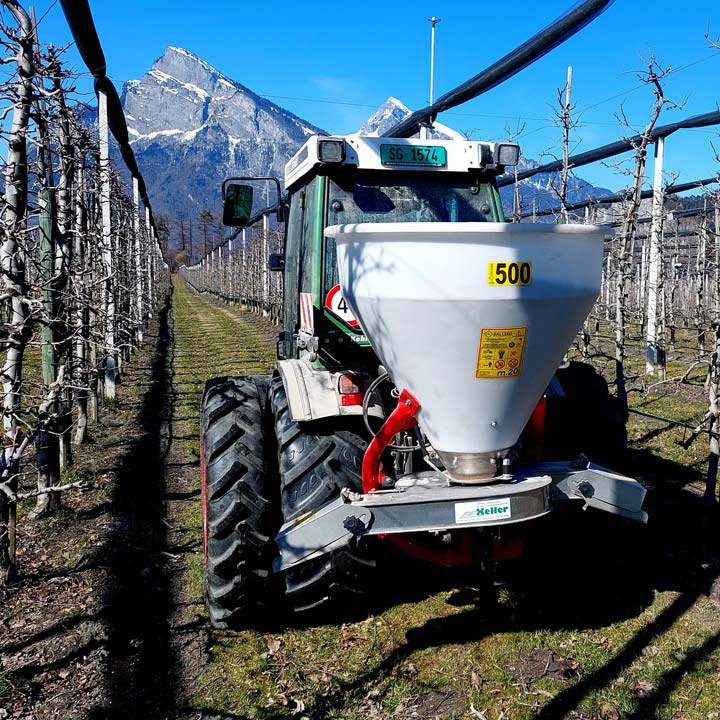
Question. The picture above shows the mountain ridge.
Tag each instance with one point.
(191, 126)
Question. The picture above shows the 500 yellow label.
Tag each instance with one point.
(509, 273)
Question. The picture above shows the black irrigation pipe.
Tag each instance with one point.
(615, 197)
(616, 148)
(694, 428)
(641, 349)
(80, 20)
(571, 22)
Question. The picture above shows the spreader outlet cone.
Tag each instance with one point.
(472, 318)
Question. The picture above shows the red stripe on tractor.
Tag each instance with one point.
(306, 312)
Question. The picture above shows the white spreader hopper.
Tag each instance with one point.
(473, 319)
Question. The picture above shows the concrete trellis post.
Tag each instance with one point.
(139, 320)
(107, 255)
(264, 259)
(655, 350)
(231, 272)
(149, 255)
(243, 269)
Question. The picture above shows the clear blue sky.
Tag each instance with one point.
(334, 65)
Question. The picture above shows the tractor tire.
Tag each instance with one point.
(240, 507)
(588, 420)
(315, 462)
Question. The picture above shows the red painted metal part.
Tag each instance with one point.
(509, 548)
(448, 556)
(535, 430)
(401, 418)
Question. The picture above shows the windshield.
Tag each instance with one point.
(411, 197)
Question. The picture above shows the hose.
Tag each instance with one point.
(366, 418)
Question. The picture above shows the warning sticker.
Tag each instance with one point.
(500, 354)
(336, 303)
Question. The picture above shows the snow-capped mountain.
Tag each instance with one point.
(391, 112)
(191, 127)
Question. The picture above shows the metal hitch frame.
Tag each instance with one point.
(427, 501)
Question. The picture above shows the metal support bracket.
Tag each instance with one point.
(428, 502)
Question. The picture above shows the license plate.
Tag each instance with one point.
(432, 155)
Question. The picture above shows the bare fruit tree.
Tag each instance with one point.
(54, 256)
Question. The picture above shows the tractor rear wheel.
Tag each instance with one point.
(240, 510)
(316, 461)
(588, 419)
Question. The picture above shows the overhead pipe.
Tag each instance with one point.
(617, 147)
(531, 50)
(621, 196)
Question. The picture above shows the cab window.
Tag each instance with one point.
(370, 196)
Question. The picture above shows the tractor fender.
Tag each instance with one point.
(313, 394)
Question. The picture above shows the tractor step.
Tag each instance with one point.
(428, 502)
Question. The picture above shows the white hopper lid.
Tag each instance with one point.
(422, 295)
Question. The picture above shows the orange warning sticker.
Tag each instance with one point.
(500, 354)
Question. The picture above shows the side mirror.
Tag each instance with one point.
(237, 205)
(276, 262)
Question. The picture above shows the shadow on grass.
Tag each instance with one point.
(140, 663)
(658, 472)
(580, 571)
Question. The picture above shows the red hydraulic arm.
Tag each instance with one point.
(401, 418)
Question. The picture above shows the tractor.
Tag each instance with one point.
(421, 400)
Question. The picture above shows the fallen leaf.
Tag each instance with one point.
(410, 671)
(273, 645)
(609, 712)
(643, 688)
(299, 707)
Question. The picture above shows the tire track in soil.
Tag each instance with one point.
(157, 637)
(140, 658)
